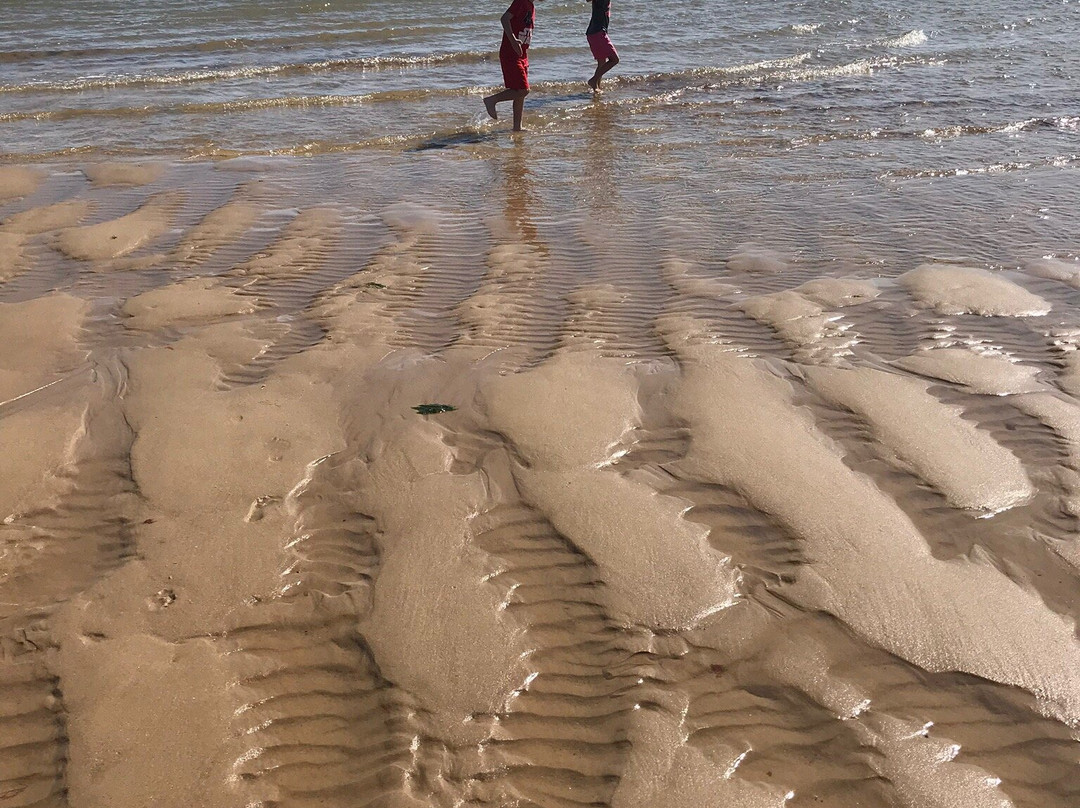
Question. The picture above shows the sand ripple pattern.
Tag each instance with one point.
(670, 540)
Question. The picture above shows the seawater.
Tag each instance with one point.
(921, 128)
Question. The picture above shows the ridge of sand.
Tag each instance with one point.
(38, 345)
(196, 299)
(796, 319)
(1055, 269)
(218, 228)
(11, 254)
(48, 217)
(425, 611)
(1062, 415)
(752, 260)
(962, 462)
(1068, 377)
(298, 247)
(39, 341)
(564, 418)
(952, 289)
(113, 174)
(16, 230)
(978, 373)
(941, 615)
(118, 237)
(838, 293)
(18, 181)
(679, 274)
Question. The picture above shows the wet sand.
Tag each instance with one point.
(752, 532)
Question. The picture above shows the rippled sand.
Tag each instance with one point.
(748, 531)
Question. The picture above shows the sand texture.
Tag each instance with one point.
(328, 502)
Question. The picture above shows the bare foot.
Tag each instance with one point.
(490, 104)
(594, 82)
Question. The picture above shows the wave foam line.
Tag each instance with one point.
(199, 76)
(909, 40)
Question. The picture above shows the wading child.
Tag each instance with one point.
(517, 25)
(602, 50)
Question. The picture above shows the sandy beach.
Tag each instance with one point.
(745, 534)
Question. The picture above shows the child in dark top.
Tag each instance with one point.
(602, 50)
(517, 25)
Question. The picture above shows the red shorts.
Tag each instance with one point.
(601, 46)
(515, 69)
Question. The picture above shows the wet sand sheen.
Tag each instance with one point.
(684, 535)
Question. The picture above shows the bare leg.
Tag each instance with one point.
(517, 96)
(491, 100)
(601, 69)
(519, 108)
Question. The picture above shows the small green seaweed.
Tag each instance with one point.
(373, 285)
(433, 409)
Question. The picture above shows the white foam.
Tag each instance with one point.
(908, 40)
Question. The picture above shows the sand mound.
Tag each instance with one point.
(756, 261)
(48, 217)
(37, 348)
(681, 276)
(16, 181)
(962, 462)
(566, 432)
(197, 299)
(118, 237)
(794, 317)
(106, 174)
(38, 342)
(836, 293)
(952, 289)
(217, 229)
(1056, 270)
(986, 624)
(987, 375)
(12, 256)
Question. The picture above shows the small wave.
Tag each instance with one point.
(197, 76)
(1060, 161)
(672, 84)
(933, 134)
(908, 40)
(858, 67)
(707, 72)
(1011, 128)
(240, 105)
(127, 50)
(805, 28)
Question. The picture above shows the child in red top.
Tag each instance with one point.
(517, 25)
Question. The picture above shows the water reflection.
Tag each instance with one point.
(520, 191)
(600, 189)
